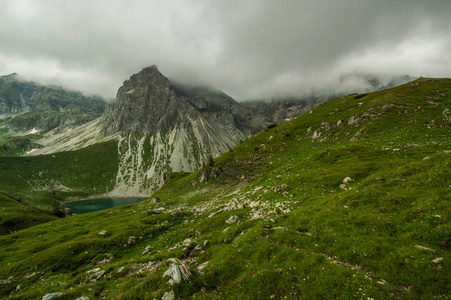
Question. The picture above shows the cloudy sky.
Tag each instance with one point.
(247, 48)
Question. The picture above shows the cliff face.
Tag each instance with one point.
(141, 104)
(168, 127)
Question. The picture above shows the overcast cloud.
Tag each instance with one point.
(248, 49)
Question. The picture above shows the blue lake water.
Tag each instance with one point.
(85, 206)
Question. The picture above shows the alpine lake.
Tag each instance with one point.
(91, 205)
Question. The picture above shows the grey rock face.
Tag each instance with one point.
(141, 104)
(149, 102)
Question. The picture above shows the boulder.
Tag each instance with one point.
(177, 271)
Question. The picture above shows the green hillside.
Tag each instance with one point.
(38, 184)
(348, 201)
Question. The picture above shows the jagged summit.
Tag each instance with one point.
(149, 102)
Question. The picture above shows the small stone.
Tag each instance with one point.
(52, 296)
(427, 157)
(5, 282)
(278, 176)
(202, 266)
(131, 240)
(215, 213)
(424, 248)
(258, 188)
(148, 248)
(178, 213)
(232, 219)
(437, 260)
(316, 135)
(83, 298)
(205, 243)
(18, 288)
(347, 180)
(187, 242)
(280, 188)
(259, 214)
(93, 270)
(29, 276)
(106, 259)
(382, 282)
(120, 270)
(155, 200)
(254, 204)
(97, 275)
(168, 296)
(103, 232)
(153, 212)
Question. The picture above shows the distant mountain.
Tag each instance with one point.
(30, 105)
(281, 109)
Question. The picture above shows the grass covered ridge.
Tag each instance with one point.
(303, 231)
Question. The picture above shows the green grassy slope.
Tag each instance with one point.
(40, 183)
(317, 238)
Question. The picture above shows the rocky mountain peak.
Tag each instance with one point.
(149, 102)
(140, 103)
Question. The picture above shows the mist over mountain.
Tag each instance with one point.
(29, 105)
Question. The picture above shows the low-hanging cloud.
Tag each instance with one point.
(249, 49)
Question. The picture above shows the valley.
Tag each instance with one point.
(350, 199)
